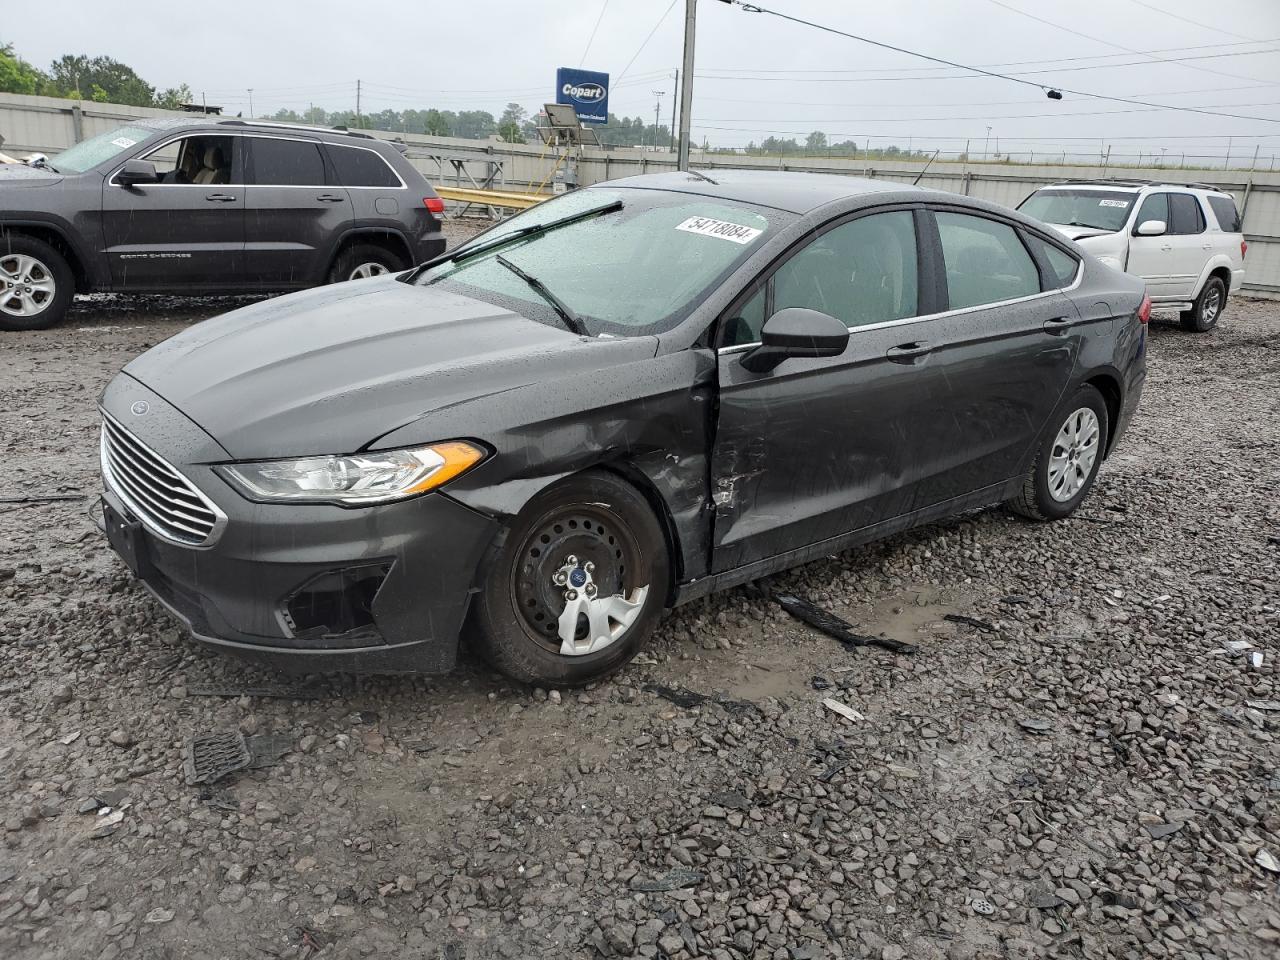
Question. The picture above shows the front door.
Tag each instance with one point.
(926, 405)
(187, 230)
(293, 213)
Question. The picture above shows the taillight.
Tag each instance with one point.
(1244, 248)
(433, 204)
(1144, 311)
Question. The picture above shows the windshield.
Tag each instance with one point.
(634, 271)
(90, 153)
(1101, 209)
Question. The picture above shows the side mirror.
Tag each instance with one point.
(1152, 228)
(796, 332)
(137, 171)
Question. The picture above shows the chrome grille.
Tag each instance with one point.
(162, 498)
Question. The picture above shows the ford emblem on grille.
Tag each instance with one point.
(139, 408)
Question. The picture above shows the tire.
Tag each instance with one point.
(36, 284)
(595, 518)
(364, 260)
(1207, 310)
(1055, 486)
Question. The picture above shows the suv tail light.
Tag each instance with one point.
(1244, 248)
(1144, 311)
(433, 204)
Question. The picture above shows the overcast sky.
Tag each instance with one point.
(756, 74)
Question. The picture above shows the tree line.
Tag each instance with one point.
(79, 77)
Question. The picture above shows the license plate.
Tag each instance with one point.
(126, 538)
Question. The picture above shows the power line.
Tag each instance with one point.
(1106, 43)
(934, 103)
(1194, 23)
(644, 43)
(752, 8)
(591, 39)
(1244, 137)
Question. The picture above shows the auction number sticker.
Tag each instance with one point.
(123, 142)
(721, 229)
(1113, 203)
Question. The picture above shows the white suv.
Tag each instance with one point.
(1184, 240)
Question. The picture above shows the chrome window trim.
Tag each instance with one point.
(884, 324)
(111, 483)
(266, 135)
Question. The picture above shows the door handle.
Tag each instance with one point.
(908, 352)
(329, 198)
(220, 198)
(1169, 247)
(1057, 325)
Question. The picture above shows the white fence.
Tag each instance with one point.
(47, 125)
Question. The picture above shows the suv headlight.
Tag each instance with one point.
(361, 478)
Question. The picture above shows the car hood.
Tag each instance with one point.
(21, 175)
(1080, 233)
(333, 369)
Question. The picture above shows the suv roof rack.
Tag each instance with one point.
(296, 126)
(1122, 182)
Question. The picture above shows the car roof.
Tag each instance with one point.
(1131, 185)
(782, 189)
(163, 124)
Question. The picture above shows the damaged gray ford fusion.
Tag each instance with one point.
(618, 401)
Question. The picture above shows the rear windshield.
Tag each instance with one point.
(1224, 208)
(634, 271)
(1099, 209)
(90, 153)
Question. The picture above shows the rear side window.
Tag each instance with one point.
(1062, 265)
(361, 168)
(286, 163)
(1185, 215)
(1224, 208)
(985, 261)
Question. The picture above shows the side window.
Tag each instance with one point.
(361, 168)
(860, 272)
(1224, 208)
(1155, 207)
(744, 326)
(985, 261)
(1185, 214)
(287, 163)
(199, 160)
(1062, 265)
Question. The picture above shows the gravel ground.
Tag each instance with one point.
(1084, 778)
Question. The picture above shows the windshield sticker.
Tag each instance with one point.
(1113, 203)
(123, 142)
(720, 229)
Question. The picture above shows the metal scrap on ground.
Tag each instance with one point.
(847, 712)
(211, 756)
(982, 625)
(688, 699)
(834, 626)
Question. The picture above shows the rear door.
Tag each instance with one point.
(1190, 245)
(187, 231)
(294, 211)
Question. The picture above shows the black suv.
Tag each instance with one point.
(206, 206)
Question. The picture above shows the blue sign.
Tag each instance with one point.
(586, 91)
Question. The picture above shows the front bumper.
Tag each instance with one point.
(304, 588)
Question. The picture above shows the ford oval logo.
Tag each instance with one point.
(584, 92)
(139, 408)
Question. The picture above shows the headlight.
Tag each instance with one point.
(360, 478)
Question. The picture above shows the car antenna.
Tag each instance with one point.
(926, 166)
(702, 176)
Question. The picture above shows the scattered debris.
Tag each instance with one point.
(1255, 659)
(211, 756)
(677, 879)
(1236, 646)
(1267, 861)
(688, 699)
(982, 907)
(70, 738)
(834, 626)
(267, 749)
(1263, 704)
(982, 625)
(107, 823)
(1035, 724)
(835, 706)
(820, 683)
(1159, 831)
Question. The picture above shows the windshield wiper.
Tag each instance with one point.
(571, 319)
(466, 252)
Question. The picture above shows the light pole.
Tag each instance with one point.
(250, 103)
(657, 105)
(986, 147)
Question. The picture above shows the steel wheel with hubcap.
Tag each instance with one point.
(36, 285)
(576, 585)
(1207, 310)
(1068, 458)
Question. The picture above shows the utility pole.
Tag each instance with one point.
(986, 147)
(675, 95)
(657, 104)
(1227, 162)
(358, 122)
(686, 89)
(250, 103)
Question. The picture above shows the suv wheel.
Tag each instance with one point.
(36, 285)
(363, 260)
(1204, 314)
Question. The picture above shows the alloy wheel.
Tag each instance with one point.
(27, 286)
(1211, 306)
(370, 269)
(1074, 453)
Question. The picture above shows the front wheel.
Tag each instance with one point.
(1068, 459)
(575, 586)
(1207, 310)
(36, 285)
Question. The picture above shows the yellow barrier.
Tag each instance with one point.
(491, 198)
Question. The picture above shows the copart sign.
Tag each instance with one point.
(586, 91)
